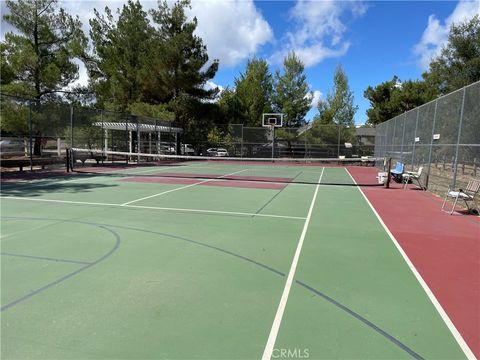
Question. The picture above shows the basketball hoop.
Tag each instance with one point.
(270, 120)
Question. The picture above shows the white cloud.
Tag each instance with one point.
(84, 9)
(435, 35)
(232, 30)
(314, 54)
(82, 76)
(319, 30)
(316, 97)
(210, 85)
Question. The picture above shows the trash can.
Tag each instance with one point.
(382, 177)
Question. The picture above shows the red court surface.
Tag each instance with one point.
(445, 249)
(250, 182)
(229, 177)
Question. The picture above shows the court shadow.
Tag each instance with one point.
(32, 190)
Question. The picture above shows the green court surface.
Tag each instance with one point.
(98, 266)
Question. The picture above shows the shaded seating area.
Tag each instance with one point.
(25, 162)
(467, 195)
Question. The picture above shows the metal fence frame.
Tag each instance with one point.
(64, 125)
(442, 135)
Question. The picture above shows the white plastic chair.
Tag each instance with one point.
(467, 195)
(408, 176)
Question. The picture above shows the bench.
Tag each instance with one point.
(24, 162)
(84, 156)
(367, 161)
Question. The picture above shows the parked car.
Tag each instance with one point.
(222, 152)
(167, 149)
(217, 152)
(12, 147)
(212, 152)
(188, 149)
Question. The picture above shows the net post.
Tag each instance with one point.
(389, 167)
(67, 159)
(30, 131)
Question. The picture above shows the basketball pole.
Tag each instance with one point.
(273, 142)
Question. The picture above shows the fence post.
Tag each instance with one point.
(387, 153)
(338, 142)
(103, 135)
(414, 137)
(273, 141)
(138, 139)
(431, 144)
(241, 143)
(127, 137)
(403, 135)
(455, 160)
(30, 129)
(71, 127)
(392, 147)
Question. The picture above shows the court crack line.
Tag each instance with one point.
(45, 258)
(274, 196)
(71, 274)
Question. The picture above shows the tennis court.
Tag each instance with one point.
(210, 260)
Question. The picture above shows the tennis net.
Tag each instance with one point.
(183, 169)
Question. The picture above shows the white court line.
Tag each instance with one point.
(267, 353)
(456, 334)
(181, 188)
(201, 211)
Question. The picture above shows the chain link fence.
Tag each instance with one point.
(38, 131)
(41, 132)
(311, 141)
(442, 136)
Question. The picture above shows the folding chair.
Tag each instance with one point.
(412, 176)
(397, 172)
(467, 194)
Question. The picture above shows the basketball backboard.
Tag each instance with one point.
(272, 119)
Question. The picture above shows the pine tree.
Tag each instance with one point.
(254, 90)
(179, 62)
(118, 66)
(334, 123)
(338, 109)
(292, 92)
(39, 55)
(458, 65)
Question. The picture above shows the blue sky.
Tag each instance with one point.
(372, 40)
(382, 42)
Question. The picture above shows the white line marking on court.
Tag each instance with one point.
(456, 334)
(202, 211)
(181, 188)
(267, 353)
